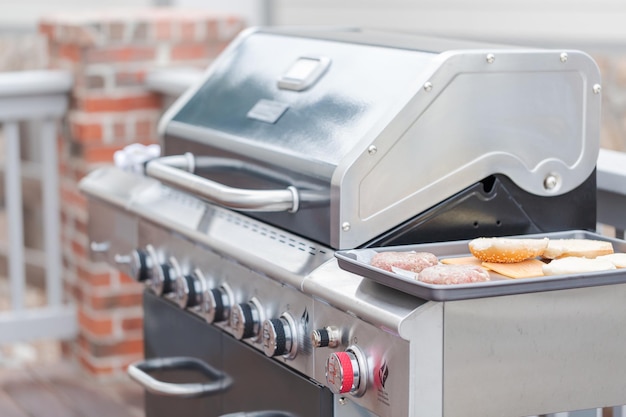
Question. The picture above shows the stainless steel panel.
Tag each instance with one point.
(369, 301)
(534, 353)
(112, 233)
(283, 255)
(322, 124)
(387, 392)
(258, 383)
(245, 283)
(528, 115)
(395, 128)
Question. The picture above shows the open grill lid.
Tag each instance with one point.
(366, 130)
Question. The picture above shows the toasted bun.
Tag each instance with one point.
(576, 265)
(505, 250)
(587, 248)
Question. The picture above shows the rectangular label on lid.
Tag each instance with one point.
(267, 111)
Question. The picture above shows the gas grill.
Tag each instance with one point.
(300, 149)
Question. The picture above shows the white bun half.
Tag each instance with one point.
(561, 248)
(576, 265)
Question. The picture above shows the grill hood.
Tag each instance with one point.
(361, 132)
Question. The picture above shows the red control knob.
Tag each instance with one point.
(347, 372)
(342, 372)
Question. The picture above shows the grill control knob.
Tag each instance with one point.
(160, 281)
(217, 302)
(346, 372)
(164, 279)
(329, 336)
(280, 336)
(138, 264)
(189, 289)
(245, 319)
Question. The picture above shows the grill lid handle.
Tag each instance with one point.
(219, 381)
(177, 171)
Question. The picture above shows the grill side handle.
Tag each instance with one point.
(139, 372)
(177, 171)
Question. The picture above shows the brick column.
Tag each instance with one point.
(109, 53)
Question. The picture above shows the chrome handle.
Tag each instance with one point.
(178, 170)
(138, 371)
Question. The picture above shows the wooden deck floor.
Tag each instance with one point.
(62, 390)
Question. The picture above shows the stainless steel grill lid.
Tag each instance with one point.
(350, 134)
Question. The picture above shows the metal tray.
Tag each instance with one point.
(353, 261)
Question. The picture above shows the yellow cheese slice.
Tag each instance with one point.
(462, 260)
(529, 268)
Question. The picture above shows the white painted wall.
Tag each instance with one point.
(553, 21)
(254, 11)
(596, 21)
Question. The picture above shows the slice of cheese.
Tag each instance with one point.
(462, 260)
(529, 268)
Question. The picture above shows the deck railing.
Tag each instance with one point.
(42, 97)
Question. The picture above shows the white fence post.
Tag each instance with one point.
(34, 96)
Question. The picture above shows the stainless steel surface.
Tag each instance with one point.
(422, 358)
(277, 253)
(384, 355)
(393, 127)
(534, 353)
(525, 113)
(507, 124)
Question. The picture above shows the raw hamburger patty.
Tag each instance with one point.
(443, 274)
(409, 261)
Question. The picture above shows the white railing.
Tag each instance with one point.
(34, 96)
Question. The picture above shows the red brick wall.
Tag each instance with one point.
(110, 53)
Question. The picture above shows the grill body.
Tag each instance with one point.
(346, 140)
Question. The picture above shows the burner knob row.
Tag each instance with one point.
(279, 336)
(346, 371)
